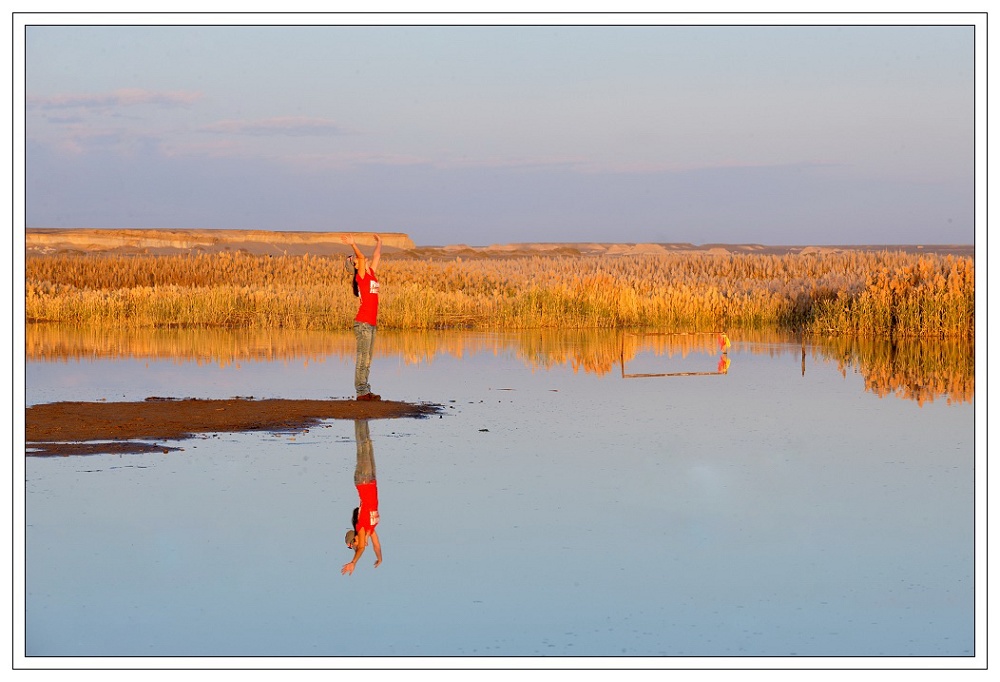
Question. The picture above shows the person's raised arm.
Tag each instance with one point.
(377, 547)
(358, 551)
(349, 239)
(377, 256)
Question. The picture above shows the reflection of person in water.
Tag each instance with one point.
(365, 516)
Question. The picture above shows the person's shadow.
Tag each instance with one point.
(364, 518)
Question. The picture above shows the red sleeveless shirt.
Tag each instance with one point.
(368, 291)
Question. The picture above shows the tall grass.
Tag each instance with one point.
(914, 297)
(853, 292)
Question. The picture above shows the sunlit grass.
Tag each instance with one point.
(845, 293)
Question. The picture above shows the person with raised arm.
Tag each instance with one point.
(366, 286)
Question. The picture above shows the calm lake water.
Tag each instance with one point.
(780, 500)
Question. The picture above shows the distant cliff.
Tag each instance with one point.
(267, 242)
(165, 241)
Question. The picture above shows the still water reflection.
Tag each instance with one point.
(812, 500)
(917, 369)
(364, 518)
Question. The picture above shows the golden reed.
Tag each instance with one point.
(878, 294)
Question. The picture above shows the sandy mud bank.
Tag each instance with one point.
(90, 427)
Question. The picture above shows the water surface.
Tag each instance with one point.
(781, 499)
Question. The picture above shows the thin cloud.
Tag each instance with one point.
(217, 148)
(646, 168)
(563, 164)
(295, 126)
(125, 97)
(583, 166)
(344, 160)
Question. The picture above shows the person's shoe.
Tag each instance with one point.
(369, 396)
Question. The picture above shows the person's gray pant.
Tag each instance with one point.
(364, 469)
(365, 334)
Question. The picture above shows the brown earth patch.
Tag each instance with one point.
(75, 427)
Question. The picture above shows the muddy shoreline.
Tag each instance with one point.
(80, 428)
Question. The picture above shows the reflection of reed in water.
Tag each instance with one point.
(919, 369)
(915, 369)
(601, 351)
(201, 346)
(593, 351)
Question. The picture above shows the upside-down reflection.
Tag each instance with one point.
(364, 518)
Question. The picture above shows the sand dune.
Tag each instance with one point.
(261, 242)
(277, 243)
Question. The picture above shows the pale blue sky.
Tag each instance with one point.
(496, 134)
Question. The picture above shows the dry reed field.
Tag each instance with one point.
(873, 294)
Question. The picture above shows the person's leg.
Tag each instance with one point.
(365, 335)
(364, 470)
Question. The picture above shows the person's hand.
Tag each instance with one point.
(378, 239)
(347, 238)
(347, 569)
(378, 561)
